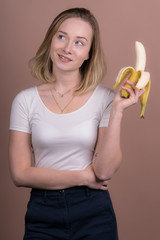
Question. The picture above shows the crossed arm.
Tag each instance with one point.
(25, 175)
(106, 160)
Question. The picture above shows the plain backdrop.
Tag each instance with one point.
(135, 188)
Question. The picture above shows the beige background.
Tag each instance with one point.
(135, 188)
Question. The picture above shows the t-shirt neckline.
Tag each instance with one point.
(70, 113)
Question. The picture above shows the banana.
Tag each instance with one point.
(137, 75)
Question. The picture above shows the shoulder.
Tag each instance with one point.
(105, 93)
(25, 94)
(24, 99)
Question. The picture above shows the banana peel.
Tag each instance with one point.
(137, 75)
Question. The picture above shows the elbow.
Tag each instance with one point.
(17, 179)
(107, 173)
(17, 184)
(19, 176)
(104, 175)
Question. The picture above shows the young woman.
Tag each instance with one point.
(70, 124)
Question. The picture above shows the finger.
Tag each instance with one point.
(105, 182)
(140, 91)
(104, 187)
(129, 90)
(130, 82)
(133, 96)
(125, 81)
(137, 91)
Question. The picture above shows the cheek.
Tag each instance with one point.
(54, 47)
(56, 44)
(83, 55)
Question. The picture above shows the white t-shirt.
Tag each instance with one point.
(61, 141)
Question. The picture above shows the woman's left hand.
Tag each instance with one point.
(123, 103)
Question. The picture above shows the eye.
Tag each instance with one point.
(79, 43)
(61, 37)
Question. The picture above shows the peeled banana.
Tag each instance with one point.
(136, 75)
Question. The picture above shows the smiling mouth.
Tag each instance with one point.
(64, 58)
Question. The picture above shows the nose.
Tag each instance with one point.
(68, 48)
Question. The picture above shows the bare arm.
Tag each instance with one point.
(108, 154)
(24, 175)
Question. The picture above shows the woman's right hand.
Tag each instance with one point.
(93, 181)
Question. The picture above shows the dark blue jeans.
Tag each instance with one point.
(77, 213)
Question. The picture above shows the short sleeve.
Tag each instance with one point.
(106, 113)
(19, 117)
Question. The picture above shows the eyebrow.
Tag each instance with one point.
(76, 36)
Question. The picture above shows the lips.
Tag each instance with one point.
(64, 58)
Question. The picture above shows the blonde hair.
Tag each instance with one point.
(92, 70)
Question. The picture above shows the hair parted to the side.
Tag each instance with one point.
(92, 70)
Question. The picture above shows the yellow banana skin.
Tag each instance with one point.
(133, 78)
(138, 76)
(144, 97)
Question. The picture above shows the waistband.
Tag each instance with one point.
(73, 190)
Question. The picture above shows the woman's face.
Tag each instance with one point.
(71, 44)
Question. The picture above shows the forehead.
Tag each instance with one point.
(76, 26)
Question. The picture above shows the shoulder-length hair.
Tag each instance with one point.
(92, 70)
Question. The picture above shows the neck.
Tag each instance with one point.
(66, 80)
